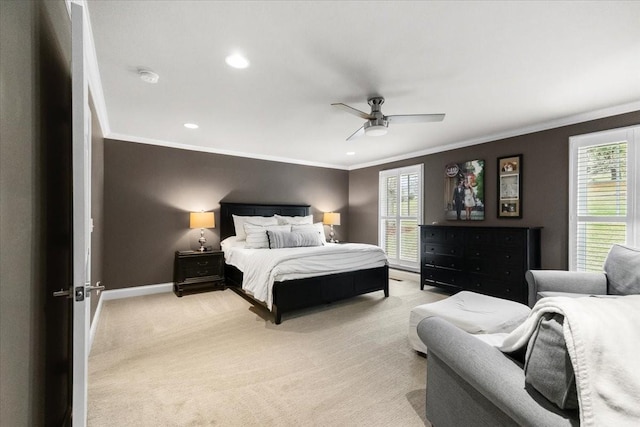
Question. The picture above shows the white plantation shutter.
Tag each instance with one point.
(400, 202)
(604, 204)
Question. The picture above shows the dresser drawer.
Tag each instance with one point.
(496, 255)
(442, 235)
(443, 261)
(507, 272)
(488, 286)
(438, 276)
(433, 235)
(433, 248)
(479, 237)
(509, 238)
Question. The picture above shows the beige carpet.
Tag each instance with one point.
(213, 359)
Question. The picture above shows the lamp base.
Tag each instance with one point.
(331, 235)
(202, 241)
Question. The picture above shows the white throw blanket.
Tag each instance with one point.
(603, 342)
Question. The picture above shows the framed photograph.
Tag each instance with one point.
(464, 191)
(510, 186)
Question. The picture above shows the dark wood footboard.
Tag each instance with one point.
(296, 294)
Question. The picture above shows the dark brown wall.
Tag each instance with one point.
(545, 185)
(150, 190)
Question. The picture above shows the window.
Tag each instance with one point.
(400, 204)
(604, 207)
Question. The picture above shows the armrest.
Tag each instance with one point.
(485, 368)
(564, 281)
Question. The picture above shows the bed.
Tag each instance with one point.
(295, 294)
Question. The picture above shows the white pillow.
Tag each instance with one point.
(294, 219)
(239, 221)
(317, 227)
(232, 242)
(257, 234)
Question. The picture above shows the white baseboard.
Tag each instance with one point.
(135, 291)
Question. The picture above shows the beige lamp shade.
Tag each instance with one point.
(202, 220)
(331, 218)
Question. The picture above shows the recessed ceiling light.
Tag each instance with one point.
(237, 61)
(351, 153)
(191, 126)
(148, 76)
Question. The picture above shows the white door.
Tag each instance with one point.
(81, 161)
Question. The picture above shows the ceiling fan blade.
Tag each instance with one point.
(353, 111)
(357, 134)
(415, 118)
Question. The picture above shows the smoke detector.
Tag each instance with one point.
(148, 76)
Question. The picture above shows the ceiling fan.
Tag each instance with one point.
(377, 123)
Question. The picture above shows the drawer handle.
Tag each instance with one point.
(477, 268)
(507, 256)
(203, 262)
(202, 272)
(477, 253)
(508, 273)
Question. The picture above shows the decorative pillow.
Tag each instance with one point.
(548, 366)
(294, 219)
(318, 227)
(257, 235)
(622, 267)
(239, 221)
(293, 239)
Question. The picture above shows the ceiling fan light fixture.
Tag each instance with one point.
(376, 127)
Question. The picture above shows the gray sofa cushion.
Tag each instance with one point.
(547, 366)
(622, 267)
(547, 294)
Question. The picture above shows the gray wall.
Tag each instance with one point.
(545, 185)
(149, 192)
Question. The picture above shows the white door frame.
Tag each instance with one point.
(81, 164)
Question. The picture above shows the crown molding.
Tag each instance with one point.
(169, 144)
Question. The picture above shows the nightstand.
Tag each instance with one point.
(194, 270)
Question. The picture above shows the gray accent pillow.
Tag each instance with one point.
(622, 267)
(547, 365)
(293, 239)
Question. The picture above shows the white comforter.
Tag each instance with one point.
(262, 267)
(603, 341)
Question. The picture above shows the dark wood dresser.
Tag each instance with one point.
(194, 270)
(487, 260)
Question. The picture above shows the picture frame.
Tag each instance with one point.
(464, 195)
(509, 200)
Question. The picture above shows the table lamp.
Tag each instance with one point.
(202, 220)
(331, 219)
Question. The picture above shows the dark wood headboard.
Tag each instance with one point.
(252, 209)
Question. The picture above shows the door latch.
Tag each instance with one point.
(80, 293)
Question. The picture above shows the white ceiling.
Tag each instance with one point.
(495, 68)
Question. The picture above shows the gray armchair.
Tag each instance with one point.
(621, 276)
